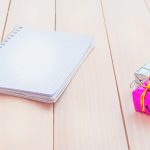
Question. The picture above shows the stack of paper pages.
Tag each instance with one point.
(39, 65)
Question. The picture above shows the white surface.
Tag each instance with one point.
(41, 62)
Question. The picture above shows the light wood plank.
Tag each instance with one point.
(27, 125)
(32, 13)
(128, 25)
(3, 14)
(88, 116)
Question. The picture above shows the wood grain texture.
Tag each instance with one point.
(32, 13)
(128, 25)
(27, 125)
(4, 5)
(88, 117)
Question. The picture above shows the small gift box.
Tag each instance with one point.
(141, 98)
(142, 74)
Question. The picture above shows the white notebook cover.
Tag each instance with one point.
(41, 62)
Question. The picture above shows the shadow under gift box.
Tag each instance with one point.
(136, 94)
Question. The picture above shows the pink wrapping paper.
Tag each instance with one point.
(136, 94)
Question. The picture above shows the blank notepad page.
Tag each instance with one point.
(38, 61)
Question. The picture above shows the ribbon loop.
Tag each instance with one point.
(142, 98)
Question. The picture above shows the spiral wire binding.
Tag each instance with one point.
(10, 36)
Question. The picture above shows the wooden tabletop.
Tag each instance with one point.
(96, 110)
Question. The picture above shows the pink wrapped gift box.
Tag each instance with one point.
(136, 94)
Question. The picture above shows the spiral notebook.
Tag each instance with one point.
(39, 65)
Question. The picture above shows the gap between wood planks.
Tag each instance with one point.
(6, 20)
(54, 103)
(115, 76)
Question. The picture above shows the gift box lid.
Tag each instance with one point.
(142, 74)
